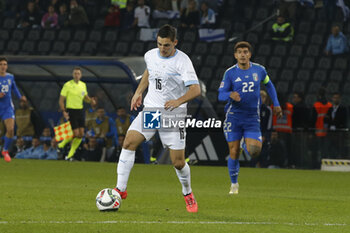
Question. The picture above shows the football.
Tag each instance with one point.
(108, 199)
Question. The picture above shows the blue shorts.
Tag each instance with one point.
(7, 113)
(235, 128)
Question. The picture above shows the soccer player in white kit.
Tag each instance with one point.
(172, 82)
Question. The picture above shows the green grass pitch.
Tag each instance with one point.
(59, 196)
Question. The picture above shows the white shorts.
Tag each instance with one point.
(174, 139)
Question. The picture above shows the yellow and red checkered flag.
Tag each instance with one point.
(63, 131)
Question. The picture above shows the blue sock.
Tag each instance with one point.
(233, 169)
(7, 143)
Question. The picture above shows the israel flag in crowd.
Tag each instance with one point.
(210, 35)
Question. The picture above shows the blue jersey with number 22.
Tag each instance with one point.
(247, 84)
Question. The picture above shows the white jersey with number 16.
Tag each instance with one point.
(168, 78)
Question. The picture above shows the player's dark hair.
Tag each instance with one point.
(77, 68)
(242, 44)
(167, 31)
(3, 59)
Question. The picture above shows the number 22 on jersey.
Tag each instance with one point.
(248, 87)
(4, 88)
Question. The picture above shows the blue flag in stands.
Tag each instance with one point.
(211, 35)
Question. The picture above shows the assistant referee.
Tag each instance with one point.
(72, 95)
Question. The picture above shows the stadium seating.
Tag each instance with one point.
(288, 64)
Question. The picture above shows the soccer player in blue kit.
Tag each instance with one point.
(7, 112)
(240, 87)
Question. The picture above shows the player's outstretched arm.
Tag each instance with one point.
(15, 90)
(136, 100)
(277, 110)
(193, 91)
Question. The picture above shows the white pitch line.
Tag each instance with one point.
(174, 222)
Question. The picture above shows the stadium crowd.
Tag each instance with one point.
(55, 14)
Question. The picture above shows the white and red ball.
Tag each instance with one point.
(108, 199)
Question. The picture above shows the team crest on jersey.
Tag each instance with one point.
(83, 93)
(255, 77)
(9, 82)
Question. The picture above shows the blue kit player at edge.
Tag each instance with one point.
(240, 87)
(7, 112)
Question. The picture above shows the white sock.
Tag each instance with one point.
(185, 179)
(125, 164)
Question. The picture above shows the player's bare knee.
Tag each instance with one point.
(234, 153)
(254, 151)
(129, 144)
(179, 164)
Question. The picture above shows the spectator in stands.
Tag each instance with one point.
(288, 8)
(300, 116)
(337, 114)
(46, 135)
(190, 16)
(113, 155)
(336, 119)
(102, 128)
(112, 18)
(31, 17)
(300, 121)
(120, 3)
(33, 152)
(63, 17)
(49, 150)
(50, 19)
(19, 146)
(337, 43)
(122, 121)
(319, 111)
(282, 30)
(77, 16)
(91, 113)
(208, 18)
(127, 16)
(92, 151)
(164, 9)
(26, 120)
(142, 14)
